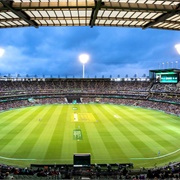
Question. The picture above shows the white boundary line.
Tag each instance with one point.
(14, 159)
(158, 157)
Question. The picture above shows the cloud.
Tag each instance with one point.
(113, 51)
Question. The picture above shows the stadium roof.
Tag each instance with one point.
(165, 70)
(162, 14)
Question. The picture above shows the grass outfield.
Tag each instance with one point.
(51, 134)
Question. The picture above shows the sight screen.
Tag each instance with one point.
(82, 160)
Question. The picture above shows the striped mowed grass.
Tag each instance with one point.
(51, 134)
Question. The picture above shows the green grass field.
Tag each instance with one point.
(51, 134)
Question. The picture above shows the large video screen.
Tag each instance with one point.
(167, 77)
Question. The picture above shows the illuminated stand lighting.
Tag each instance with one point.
(167, 65)
(176, 64)
(177, 46)
(172, 64)
(84, 58)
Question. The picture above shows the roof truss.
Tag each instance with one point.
(9, 6)
(163, 14)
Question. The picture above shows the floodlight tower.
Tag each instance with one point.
(177, 46)
(84, 58)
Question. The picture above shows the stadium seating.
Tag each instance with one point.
(165, 97)
(96, 171)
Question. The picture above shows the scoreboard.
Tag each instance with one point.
(165, 75)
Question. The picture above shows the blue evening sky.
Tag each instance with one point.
(53, 51)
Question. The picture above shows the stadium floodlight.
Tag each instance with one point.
(84, 58)
(1, 52)
(177, 46)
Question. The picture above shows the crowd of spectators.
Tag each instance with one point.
(157, 105)
(10, 88)
(50, 100)
(162, 106)
(160, 87)
(13, 104)
(129, 89)
(95, 171)
(24, 103)
(165, 97)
